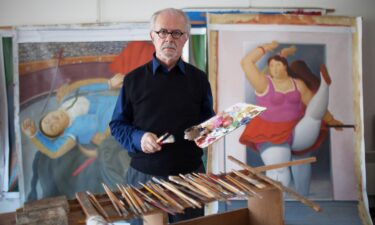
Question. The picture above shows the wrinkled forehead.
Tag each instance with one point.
(170, 21)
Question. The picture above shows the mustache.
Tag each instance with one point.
(169, 45)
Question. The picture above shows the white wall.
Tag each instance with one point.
(38, 12)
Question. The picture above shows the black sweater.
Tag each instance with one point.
(167, 103)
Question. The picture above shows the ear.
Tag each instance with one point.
(152, 36)
(186, 37)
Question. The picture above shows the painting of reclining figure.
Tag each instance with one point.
(68, 91)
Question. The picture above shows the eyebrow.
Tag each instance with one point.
(163, 29)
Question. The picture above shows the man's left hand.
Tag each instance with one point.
(149, 143)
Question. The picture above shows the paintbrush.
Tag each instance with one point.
(202, 182)
(202, 188)
(154, 203)
(249, 187)
(115, 202)
(252, 181)
(193, 194)
(182, 182)
(137, 199)
(226, 185)
(163, 201)
(121, 205)
(285, 164)
(165, 139)
(133, 201)
(237, 185)
(223, 187)
(169, 198)
(147, 207)
(97, 205)
(213, 184)
(128, 200)
(191, 202)
(243, 186)
(175, 196)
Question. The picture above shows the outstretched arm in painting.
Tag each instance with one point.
(51, 148)
(95, 84)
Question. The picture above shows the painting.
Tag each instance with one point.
(239, 48)
(8, 166)
(69, 78)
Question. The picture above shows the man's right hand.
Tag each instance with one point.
(149, 144)
(28, 127)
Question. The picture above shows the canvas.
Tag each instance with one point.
(319, 40)
(80, 70)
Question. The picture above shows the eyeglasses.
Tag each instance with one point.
(176, 34)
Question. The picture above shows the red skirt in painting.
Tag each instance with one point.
(258, 131)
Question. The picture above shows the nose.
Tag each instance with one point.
(169, 37)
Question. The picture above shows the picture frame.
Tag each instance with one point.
(230, 36)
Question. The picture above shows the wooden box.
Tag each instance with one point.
(268, 210)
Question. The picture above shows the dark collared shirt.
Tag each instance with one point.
(156, 65)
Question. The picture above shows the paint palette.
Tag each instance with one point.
(222, 124)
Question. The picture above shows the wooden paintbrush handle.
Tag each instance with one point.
(281, 165)
(86, 205)
(297, 196)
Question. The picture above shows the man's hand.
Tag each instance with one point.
(149, 144)
(116, 81)
(192, 133)
(28, 127)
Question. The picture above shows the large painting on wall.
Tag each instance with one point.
(310, 64)
(69, 79)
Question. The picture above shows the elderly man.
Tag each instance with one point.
(164, 95)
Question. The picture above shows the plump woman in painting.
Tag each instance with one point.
(290, 126)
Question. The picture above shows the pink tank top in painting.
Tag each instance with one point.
(281, 107)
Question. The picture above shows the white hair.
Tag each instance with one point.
(174, 12)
